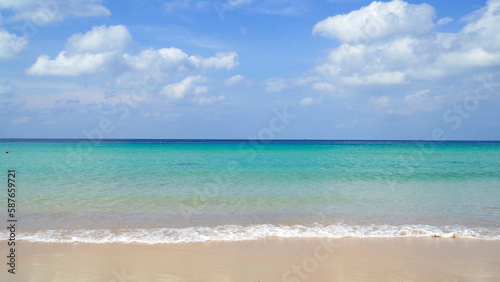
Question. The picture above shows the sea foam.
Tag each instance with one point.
(254, 232)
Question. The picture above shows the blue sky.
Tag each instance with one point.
(284, 69)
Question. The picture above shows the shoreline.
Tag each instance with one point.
(271, 259)
(231, 233)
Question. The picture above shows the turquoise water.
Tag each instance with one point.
(179, 191)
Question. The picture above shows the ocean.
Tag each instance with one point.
(177, 191)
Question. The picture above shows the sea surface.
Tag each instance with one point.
(176, 191)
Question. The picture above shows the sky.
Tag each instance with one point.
(245, 69)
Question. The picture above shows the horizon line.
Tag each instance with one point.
(239, 139)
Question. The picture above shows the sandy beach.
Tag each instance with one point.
(349, 259)
(242, 140)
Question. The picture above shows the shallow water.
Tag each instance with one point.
(185, 190)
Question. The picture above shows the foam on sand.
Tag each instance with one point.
(254, 232)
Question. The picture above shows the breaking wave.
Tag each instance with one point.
(254, 232)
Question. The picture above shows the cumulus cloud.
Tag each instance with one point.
(88, 53)
(377, 21)
(166, 59)
(172, 6)
(323, 86)
(276, 85)
(306, 101)
(40, 13)
(383, 104)
(190, 87)
(301, 81)
(208, 100)
(222, 60)
(7, 88)
(99, 39)
(71, 65)
(11, 44)
(417, 97)
(234, 80)
(420, 101)
(382, 101)
(444, 21)
(184, 87)
(239, 3)
(376, 78)
(200, 90)
(404, 48)
(175, 60)
(101, 50)
(35, 13)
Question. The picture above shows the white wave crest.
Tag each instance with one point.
(254, 232)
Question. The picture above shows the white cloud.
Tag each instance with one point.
(71, 65)
(166, 62)
(36, 13)
(239, 3)
(323, 86)
(92, 52)
(222, 60)
(182, 88)
(405, 49)
(11, 44)
(41, 13)
(6, 88)
(99, 39)
(328, 69)
(281, 7)
(276, 85)
(377, 21)
(200, 90)
(100, 50)
(208, 100)
(417, 101)
(171, 116)
(165, 59)
(444, 21)
(172, 6)
(72, 96)
(234, 80)
(189, 87)
(20, 120)
(467, 59)
(306, 101)
(420, 101)
(301, 81)
(417, 96)
(175, 60)
(376, 78)
(383, 104)
(382, 101)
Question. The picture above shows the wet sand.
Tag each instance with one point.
(349, 259)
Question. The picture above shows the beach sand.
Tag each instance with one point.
(349, 259)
